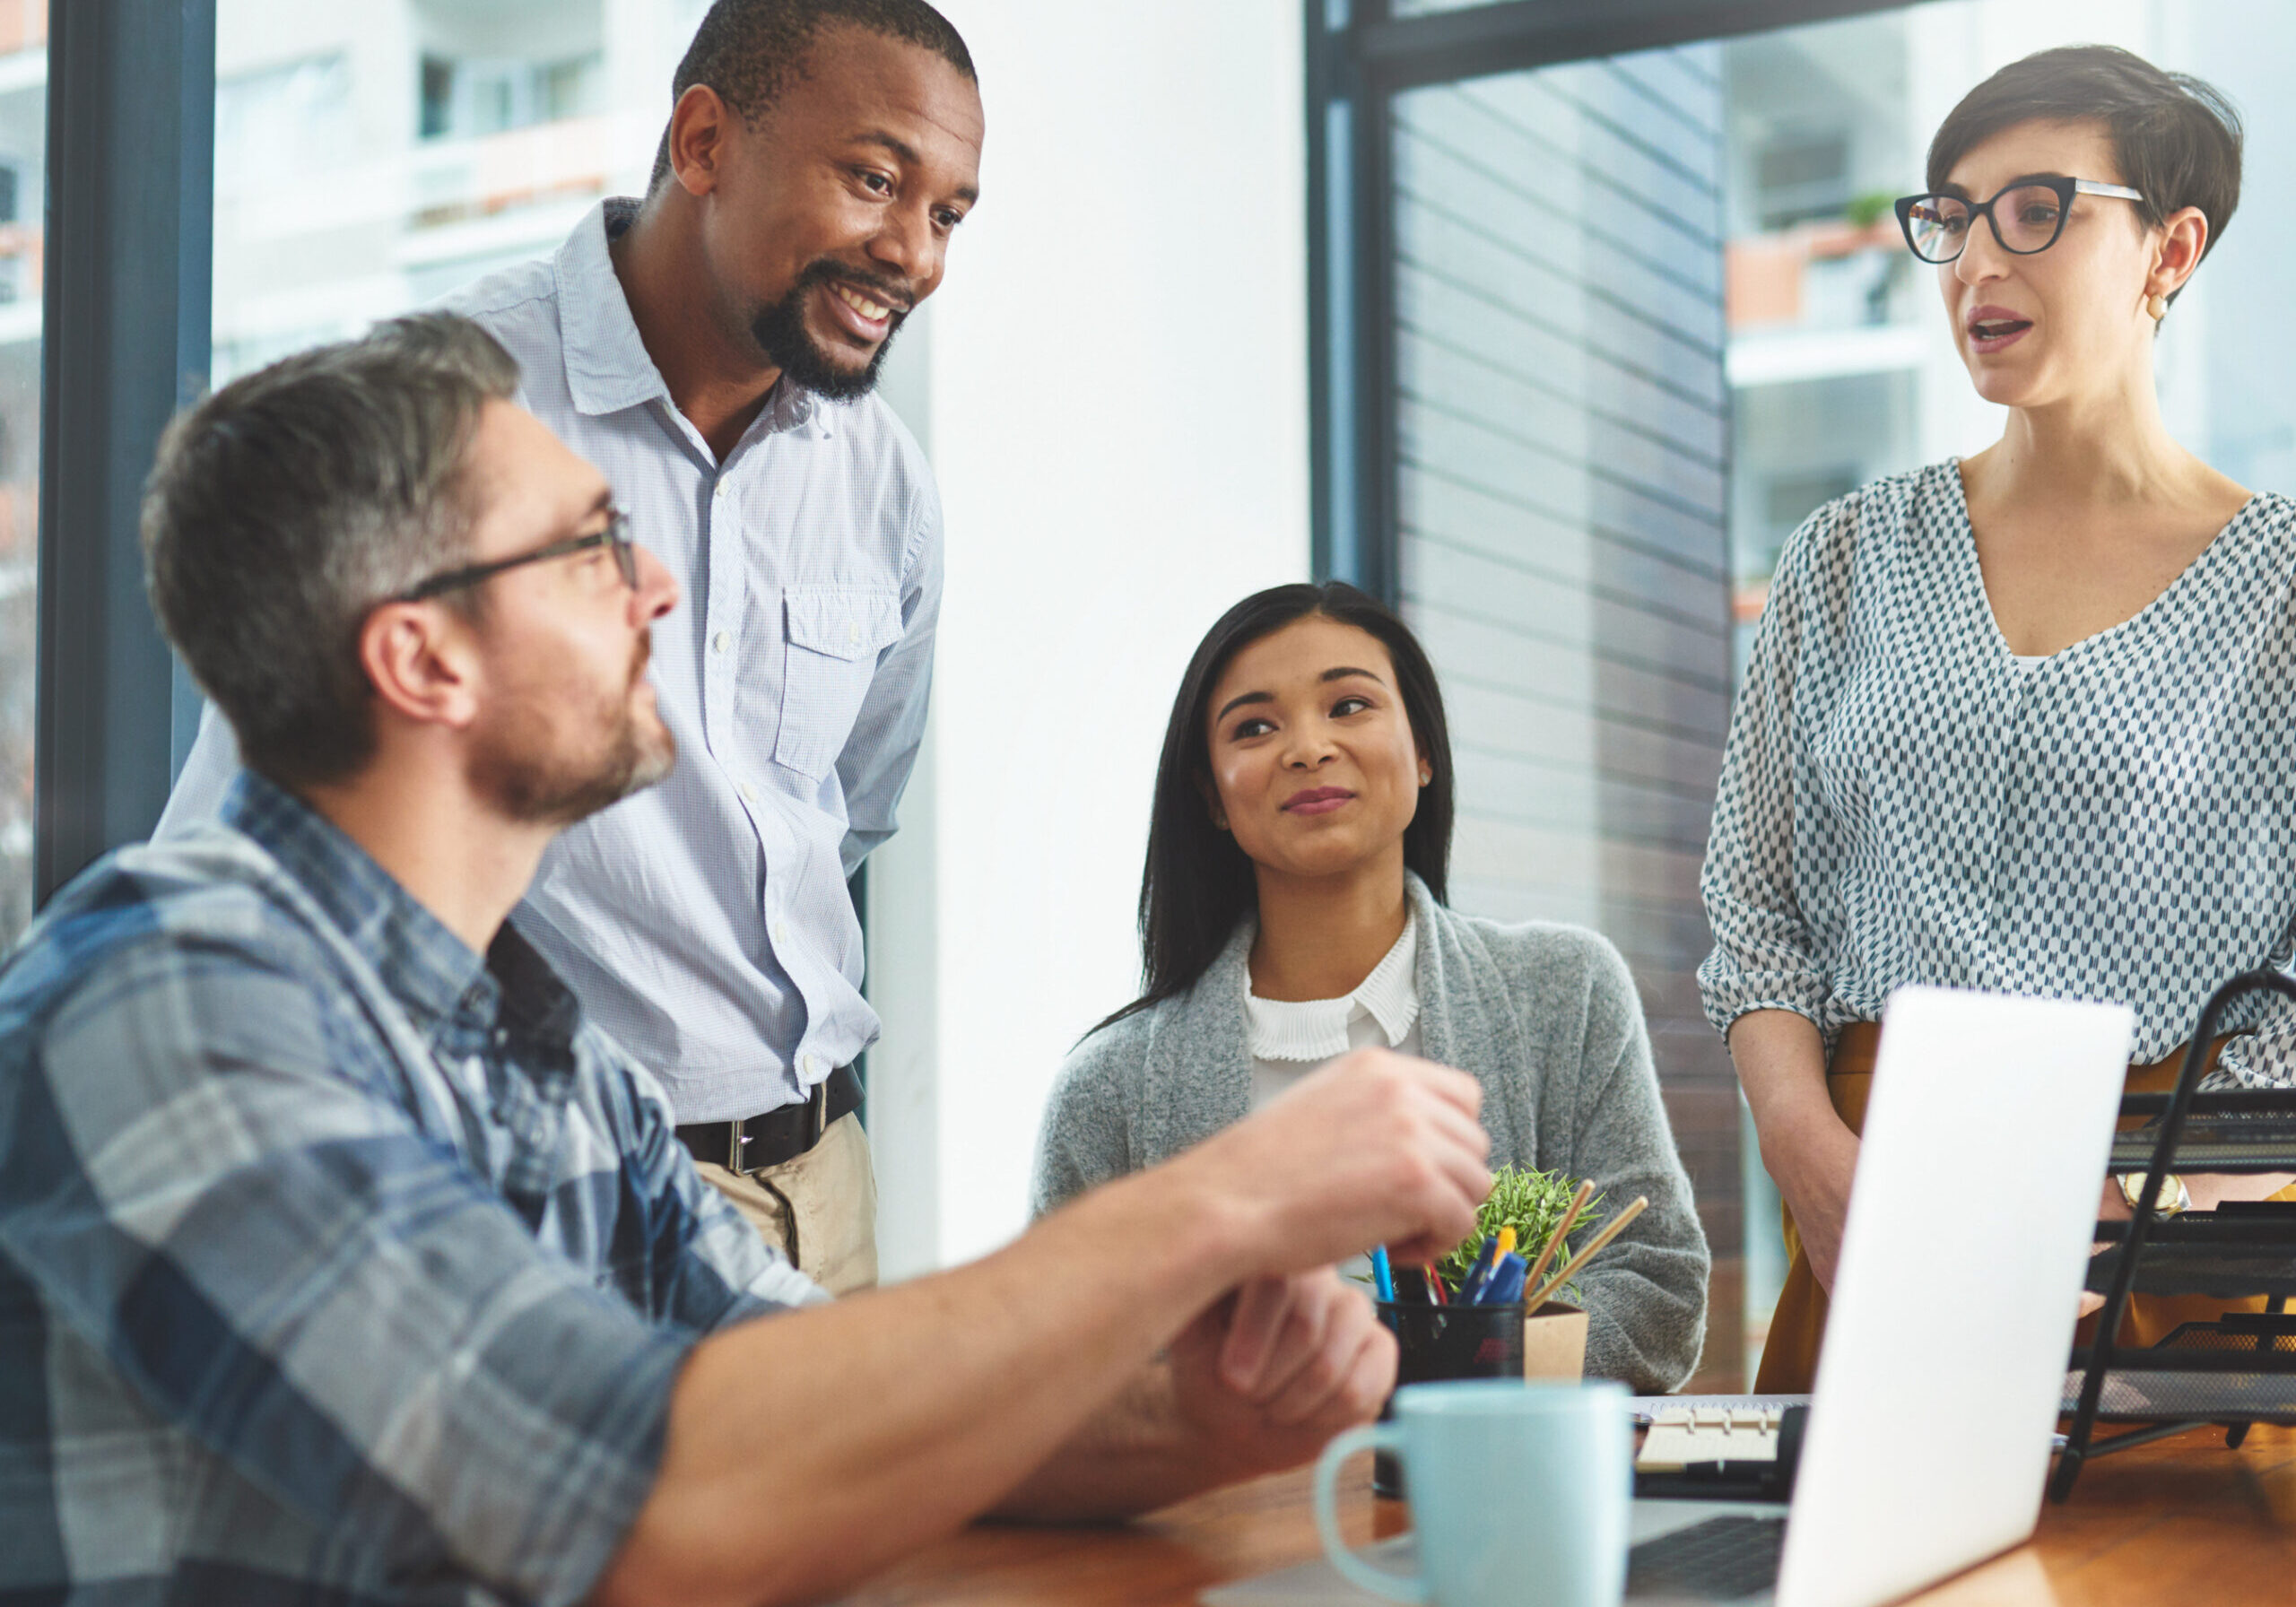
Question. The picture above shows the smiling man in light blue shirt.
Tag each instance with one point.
(712, 348)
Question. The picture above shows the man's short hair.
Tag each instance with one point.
(285, 507)
(749, 50)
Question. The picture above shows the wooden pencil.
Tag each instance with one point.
(1610, 1231)
(1570, 1216)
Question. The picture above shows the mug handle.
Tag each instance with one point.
(1408, 1588)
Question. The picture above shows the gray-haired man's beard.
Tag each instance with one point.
(541, 789)
(780, 332)
(547, 796)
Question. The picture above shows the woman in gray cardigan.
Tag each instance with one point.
(1293, 909)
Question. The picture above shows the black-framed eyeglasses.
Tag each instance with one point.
(2027, 217)
(615, 536)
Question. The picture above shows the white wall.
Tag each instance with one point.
(1116, 370)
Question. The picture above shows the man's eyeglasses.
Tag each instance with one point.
(615, 536)
(2027, 217)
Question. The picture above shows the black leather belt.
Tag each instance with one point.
(756, 1142)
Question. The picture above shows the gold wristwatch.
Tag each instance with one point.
(2174, 1195)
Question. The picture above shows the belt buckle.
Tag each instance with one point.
(735, 1139)
(820, 1111)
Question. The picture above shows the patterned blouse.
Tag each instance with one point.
(1903, 801)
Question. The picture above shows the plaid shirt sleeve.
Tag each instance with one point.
(280, 1261)
(725, 1274)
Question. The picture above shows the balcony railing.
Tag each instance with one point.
(1832, 275)
(24, 23)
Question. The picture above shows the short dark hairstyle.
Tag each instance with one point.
(285, 507)
(748, 50)
(1197, 883)
(2177, 138)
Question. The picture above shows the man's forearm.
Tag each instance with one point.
(807, 1450)
(1137, 1454)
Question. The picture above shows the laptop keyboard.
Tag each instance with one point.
(1718, 1560)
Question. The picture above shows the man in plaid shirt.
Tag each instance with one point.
(342, 1262)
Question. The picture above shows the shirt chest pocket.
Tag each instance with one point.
(835, 634)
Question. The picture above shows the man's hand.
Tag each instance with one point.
(1269, 1374)
(1376, 1148)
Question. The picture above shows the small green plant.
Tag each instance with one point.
(1531, 1202)
(1869, 208)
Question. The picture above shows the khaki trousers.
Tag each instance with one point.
(820, 1209)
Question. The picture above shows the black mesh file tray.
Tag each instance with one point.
(2231, 1253)
(2246, 1131)
(2241, 1368)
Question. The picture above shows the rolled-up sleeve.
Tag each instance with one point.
(288, 1270)
(1763, 956)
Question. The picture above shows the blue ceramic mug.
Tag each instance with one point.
(1519, 1491)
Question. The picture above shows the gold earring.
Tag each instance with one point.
(2158, 307)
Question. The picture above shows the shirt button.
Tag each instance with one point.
(720, 491)
(853, 633)
(719, 642)
(749, 792)
(806, 1063)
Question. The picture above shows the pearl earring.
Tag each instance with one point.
(2158, 307)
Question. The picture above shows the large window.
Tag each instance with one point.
(370, 158)
(1597, 331)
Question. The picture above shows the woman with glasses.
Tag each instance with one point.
(1292, 908)
(2022, 721)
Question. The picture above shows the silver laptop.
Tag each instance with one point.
(1936, 1398)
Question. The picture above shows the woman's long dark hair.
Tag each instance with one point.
(1197, 883)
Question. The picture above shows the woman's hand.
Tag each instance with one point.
(1809, 1151)
(1813, 1170)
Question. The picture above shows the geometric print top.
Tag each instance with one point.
(1902, 801)
(339, 1264)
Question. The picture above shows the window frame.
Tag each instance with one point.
(124, 343)
(1360, 57)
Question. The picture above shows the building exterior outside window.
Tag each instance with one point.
(370, 158)
(23, 166)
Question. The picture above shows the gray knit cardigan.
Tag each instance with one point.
(1547, 1019)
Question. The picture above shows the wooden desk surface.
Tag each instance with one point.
(2180, 1520)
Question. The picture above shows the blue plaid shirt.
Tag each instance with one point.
(337, 1265)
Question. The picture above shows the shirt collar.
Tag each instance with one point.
(607, 366)
(1317, 1028)
(433, 973)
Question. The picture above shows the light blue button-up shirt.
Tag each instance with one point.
(705, 923)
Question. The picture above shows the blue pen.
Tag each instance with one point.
(1506, 1284)
(1383, 1279)
(1471, 1286)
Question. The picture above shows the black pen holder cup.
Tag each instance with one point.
(1445, 1342)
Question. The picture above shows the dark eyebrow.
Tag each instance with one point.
(1962, 192)
(905, 154)
(1342, 673)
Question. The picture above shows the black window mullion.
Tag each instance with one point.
(124, 341)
